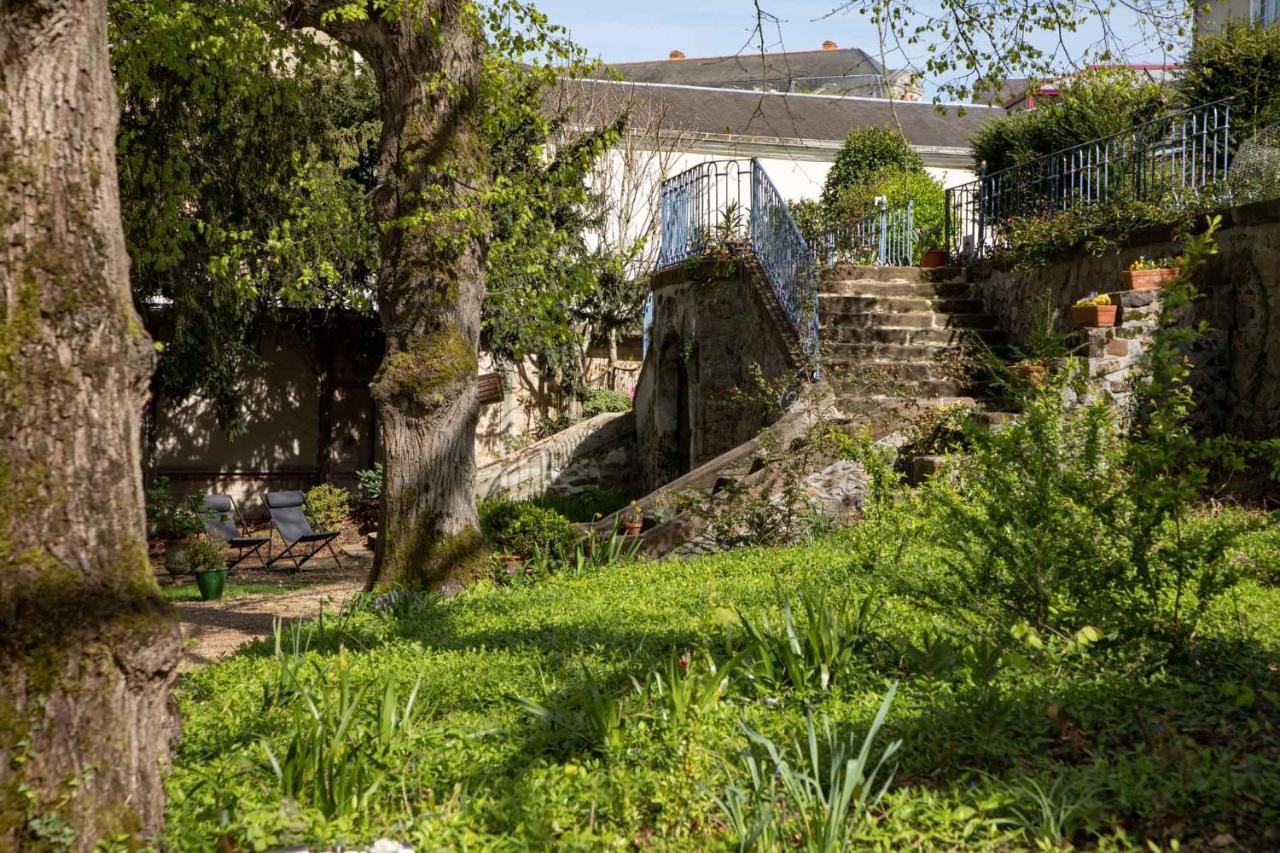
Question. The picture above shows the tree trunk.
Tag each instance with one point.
(88, 648)
(428, 58)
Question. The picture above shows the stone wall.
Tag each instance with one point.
(1237, 366)
(598, 453)
(712, 322)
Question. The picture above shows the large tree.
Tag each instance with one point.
(427, 56)
(89, 648)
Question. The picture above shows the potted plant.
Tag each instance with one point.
(1153, 274)
(1094, 310)
(932, 256)
(1031, 372)
(632, 520)
(208, 560)
(174, 522)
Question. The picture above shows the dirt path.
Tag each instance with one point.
(213, 629)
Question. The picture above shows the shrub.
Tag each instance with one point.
(524, 528)
(1091, 105)
(587, 505)
(810, 217)
(865, 152)
(173, 519)
(368, 501)
(204, 555)
(602, 400)
(896, 186)
(327, 506)
(1240, 62)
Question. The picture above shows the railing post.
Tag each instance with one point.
(910, 255)
(983, 193)
(947, 236)
(882, 255)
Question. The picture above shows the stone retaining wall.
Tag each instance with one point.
(598, 453)
(1237, 366)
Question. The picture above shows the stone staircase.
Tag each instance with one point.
(904, 336)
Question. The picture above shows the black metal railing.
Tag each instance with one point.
(1169, 160)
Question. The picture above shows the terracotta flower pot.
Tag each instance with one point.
(632, 526)
(1093, 315)
(1149, 279)
(1033, 374)
(933, 258)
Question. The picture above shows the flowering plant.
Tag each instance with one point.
(1094, 299)
(1143, 263)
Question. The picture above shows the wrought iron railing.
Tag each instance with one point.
(886, 238)
(1169, 160)
(733, 205)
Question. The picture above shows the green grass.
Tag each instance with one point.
(1110, 747)
(187, 590)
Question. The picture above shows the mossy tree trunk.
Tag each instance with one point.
(88, 649)
(427, 55)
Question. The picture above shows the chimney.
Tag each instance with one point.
(830, 45)
(675, 55)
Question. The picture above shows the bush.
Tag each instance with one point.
(327, 506)
(524, 528)
(867, 151)
(897, 187)
(587, 505)
(204, 555)
(368, 501)
(1093, 104)
(1240, 62)
(602, 400)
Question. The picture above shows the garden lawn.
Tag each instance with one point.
(1109, 746)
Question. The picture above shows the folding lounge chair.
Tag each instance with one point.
(296, 531)
(222, 520)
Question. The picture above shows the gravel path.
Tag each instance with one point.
(212, 630)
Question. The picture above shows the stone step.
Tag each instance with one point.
(914, 370)
(848, 351)
(845, 271)
(875, 287)
(897, 305)
(905, 320)
(849, 334)
(914, 388)
(875, 403)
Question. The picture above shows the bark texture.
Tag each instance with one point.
(88, 649)
(427, 55)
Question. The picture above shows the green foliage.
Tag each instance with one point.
(523, 528)
(587, 505)
(339, 738)
(828, 781)
(1091, 105)
(172, 519)
(812, 655)
(368, 499)
(866, 152)
(204, 555)
(327, 506)
(242, 189)
(1063, 521)
(938, 430)
(1161, 742)
(810, 217)
(601, 400)
(1036, 240)
(1241, 62)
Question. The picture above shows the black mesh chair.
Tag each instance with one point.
(222, 520)
(292, 525)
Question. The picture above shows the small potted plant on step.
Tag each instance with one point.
(1153, 274)
(208, 560)
(632, 520)
(1094, 310)
(932, 253)
(174, 523)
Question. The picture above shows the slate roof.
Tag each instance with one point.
(823, 118)
(784, 72)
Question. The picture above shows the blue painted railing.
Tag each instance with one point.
(732, 205)
(886, 238)
(1170, 160)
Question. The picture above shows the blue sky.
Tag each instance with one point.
(621, 32)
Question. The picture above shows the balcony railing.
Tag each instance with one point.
(1169, 160)
(886, 238)
(732, 204)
